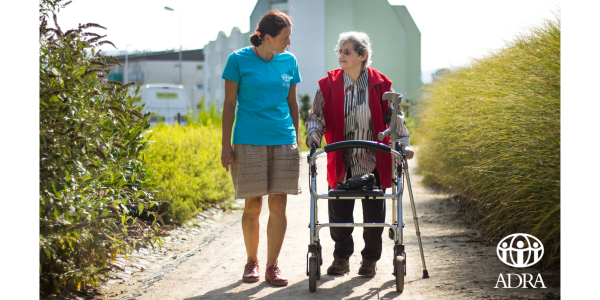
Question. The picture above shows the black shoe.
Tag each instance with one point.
(339, 266)
(367, 268)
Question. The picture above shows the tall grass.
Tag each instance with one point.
(410, 123)
(491, 132)
(205, 117)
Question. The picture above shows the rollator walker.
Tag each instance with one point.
(399, 171)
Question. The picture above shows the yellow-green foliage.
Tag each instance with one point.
(409, 121)
(302, 136)
(491, 131)
(185, 161)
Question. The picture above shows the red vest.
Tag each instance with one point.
(332, 88)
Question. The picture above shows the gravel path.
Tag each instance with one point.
(209, 263)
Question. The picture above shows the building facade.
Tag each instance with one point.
(395, 39)
(216, 53)
(163, 67)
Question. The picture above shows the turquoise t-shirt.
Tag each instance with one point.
(263, 114)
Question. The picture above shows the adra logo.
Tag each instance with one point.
(286, 80)
(520, 250)
(286, 77)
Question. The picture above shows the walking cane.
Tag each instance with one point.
(397, 205)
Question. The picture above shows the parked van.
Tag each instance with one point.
(168, 102)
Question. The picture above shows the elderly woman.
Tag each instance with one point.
(348, 106)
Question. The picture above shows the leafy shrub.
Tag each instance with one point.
(186, 162)
(305, 106)
(92, 183)
(491, 132)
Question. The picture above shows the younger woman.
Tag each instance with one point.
(264, 157)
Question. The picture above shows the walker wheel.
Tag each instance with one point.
(399, 271)
(312, 274)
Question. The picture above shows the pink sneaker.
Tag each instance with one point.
(273, 276)
(250, 272)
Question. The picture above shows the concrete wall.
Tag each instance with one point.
(395, 38)
(340, 18)
(136, 71)
(215, 57)
(413, 53)
(308, 40)
(167, 71)
(395, 52)
(260, 9)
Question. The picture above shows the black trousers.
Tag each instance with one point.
(341, 211)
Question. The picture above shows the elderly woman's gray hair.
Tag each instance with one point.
(361, 42)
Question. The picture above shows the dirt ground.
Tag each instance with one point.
(209, 263)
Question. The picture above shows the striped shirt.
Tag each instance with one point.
(357, 125)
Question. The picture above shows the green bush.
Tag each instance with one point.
(185, 162)
(92, 183)
(491, 132)
(305, 106)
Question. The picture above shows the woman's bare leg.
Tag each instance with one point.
(251, 226)
(276, 226)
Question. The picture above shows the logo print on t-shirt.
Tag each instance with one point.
(286, 80)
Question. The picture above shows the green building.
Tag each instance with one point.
(395, 39)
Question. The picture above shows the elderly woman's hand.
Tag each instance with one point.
(313, 137)
(410, 154)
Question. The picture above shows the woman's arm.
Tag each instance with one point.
(316, 120)
(231, 91)
(315, 124)
(294, 110)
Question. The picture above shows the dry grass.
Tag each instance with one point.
(491, 132)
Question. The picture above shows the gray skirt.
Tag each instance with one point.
(262, 170)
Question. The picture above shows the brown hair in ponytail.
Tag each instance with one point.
(272, 23)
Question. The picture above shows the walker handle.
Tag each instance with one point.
(358, 144)
(313, 167)
(396, 99)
